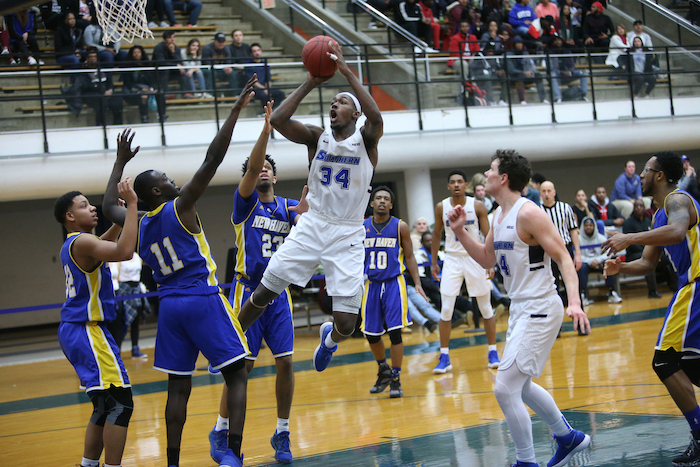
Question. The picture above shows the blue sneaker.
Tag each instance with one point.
(525, 464)
(322, 354)
(218, 442)
(443, 365)
(568, 446)
(494, 362)
(280, 443)
(231, 460)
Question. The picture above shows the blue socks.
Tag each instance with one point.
(693, 418)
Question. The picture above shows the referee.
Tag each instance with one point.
(565, 221)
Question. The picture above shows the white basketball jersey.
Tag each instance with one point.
(526, 270)
(452, 245)
(340, 177)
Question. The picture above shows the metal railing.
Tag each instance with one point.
(391, 26)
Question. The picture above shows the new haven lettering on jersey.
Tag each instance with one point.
(383, 251)
(181, 260)
(260, 230)
(89, 294)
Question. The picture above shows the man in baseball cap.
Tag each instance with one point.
(217, 52)
(597, 31)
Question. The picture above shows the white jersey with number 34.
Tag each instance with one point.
(526, 270)
(340, 177)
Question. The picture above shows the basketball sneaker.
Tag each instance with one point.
(231, 460)
(322, 354)
(136, 352)
(395, 389)
(525, 464)
(613, 297)
(568, 446)
(443, 365)
(280, 443)
(691, 456)
(383, 379)
(218, 442)
(494, 361)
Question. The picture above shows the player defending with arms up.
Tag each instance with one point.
(523, 241)
(193, 315)
(83, 333)
(331, 233)
(676, 232)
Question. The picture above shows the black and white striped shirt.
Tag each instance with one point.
(564, 219)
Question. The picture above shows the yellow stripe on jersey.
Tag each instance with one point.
(404, 300)
(238, 298)
(94, 282)
(206, 254)
(363, 308)
(107, 364)
(402, 263)
(673, 333)
(234, 321)
(239, 229)
(158, 209)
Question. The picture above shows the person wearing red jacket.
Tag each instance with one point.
(458, 45)
(426, 7)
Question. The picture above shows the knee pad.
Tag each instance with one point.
(349, 304)
(115, 405)
(395, 337)
(666, 363)
(485, 307)
(273, 283)
(691, 367)
(448, 307)
(373, 339)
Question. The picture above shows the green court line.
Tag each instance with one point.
(64, 400)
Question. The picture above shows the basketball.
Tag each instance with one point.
(315, 56)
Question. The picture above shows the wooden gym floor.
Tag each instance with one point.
(603, 383)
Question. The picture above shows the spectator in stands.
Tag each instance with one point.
(438, 33)
(618, 48)
(641, 62)
(420, 226)
(569, 32)
(166, 53)
(688, 174)
(86, 11)
(604, 210)
(693, 13)
(157, 7)
(638, 222)
(521, 70)
(96, 89)
(597, 30)
(410, 17)
(53, 13)
(480, 195)
(191, 7)
(263, 91)
(546, 8)
(459, 43)
(458, 12)
(638, 31)
(628, 187)
(191, 60)
(521, 16)
(533, 194)
(240, 51)
(492, 10)
(539, 34)
(127, 274)
(137, 86)
(492, 38)
(92, 37)
(419, 309)
(593, 260)
(215, 53)
(4, 37)
(486, 70)
(68, 42)
(580, 207)
(22, 30)
(478, 27)
(563, 68)
(576, 11)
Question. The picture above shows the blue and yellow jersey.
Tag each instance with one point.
(89, 294)
(685, 256)
(181, 260)
(383, 251)
(260, 230)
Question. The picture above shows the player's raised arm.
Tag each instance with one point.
(256, 161)
(409, 258)
(294, 130)
(193, 190)
(484, 254)
(111, 207)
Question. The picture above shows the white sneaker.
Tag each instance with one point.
(545, 101)
(372, 25)
(4, 52)
(152, 24)
(206, 95)
(502, 102)
(430, 50)
(558, 101)
(585, 301)
(613, 297)
(417, 50)
(164, 24)
(32, 61)
(197, 95)
(13, 62)
(523, 102)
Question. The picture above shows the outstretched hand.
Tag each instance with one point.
(247, 93)
(127, 193)
(616, 243)
(611, 267)
(124, 152)
(303, 205)
(267, 128)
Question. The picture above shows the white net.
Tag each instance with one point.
(122, 20)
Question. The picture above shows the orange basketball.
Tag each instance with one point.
(315, 56)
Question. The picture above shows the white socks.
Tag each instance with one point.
(445, 350)
(282, 425)
(492, 347)
(329, 343)
(89, 463)
(221, 424)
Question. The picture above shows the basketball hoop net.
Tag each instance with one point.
(122, 20)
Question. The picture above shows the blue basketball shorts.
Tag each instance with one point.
(92, 351)
(188, 324)
(275, 325)
(385, 306)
